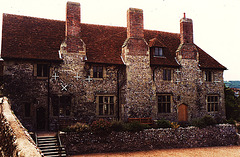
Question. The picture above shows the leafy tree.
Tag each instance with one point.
(232, 104)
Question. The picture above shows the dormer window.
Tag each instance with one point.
(158, 52)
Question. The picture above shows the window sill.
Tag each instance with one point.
(159, 56)
(212, 111)
(164, 113)
(167, 80)
(42, 78)
(97, 79)
(103, 116)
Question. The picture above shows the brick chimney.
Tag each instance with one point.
(186, 49)
(136, 56)
(73, 42)
(135, 23)
(73, 19)
(186, 30)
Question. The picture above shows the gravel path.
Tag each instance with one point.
(229, 151)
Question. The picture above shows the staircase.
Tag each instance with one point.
(50, 146)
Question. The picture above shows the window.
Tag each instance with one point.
(106, 105)
(27, 108)
(164, 103)
(167, 73)
(41, 70)
(61, 105)
(97, 72)
(212, 103)
(208, 76)
(158, 51)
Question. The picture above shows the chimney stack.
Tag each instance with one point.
(73, 42)
(186, 30)
(135, 23)
(73, 19)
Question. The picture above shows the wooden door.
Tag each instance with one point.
(182, 113)
(41, 120)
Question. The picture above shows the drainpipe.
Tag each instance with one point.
(49, 96)
(118, 97)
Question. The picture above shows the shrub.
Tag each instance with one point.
(135, 126)
(204, 122)
(100, 125)
(78, 127)
(198, 123)
(183, 124)
(117, 126)
(163, 123)
(230, 121)
(220, 120)
(209, 120)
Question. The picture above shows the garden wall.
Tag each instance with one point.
(219, 135)
(15, 141)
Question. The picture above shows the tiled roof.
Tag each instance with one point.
(36, 38)
(207, 62)
(31, 38)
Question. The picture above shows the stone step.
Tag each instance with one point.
(47, 145)
(47, 141)
(53, 149)
(46, 138)
(54, 153)
(50, 147)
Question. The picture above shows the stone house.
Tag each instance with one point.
(58, 72)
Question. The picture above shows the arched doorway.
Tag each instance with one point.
(40, 118)
(182, 113)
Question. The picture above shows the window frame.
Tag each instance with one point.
(41, 70)
(213, 105)
(106, 106)
(60, 109)
(97, 72)
(163, 105)
(159, 53)
(208, 76)
(166, 74)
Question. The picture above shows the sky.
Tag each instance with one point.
(216, 23)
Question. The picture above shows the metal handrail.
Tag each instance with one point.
(60, 144)
(36, 138)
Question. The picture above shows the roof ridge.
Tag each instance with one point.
(103, 25)
(40, 18)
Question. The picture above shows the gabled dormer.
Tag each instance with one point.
(157, 48)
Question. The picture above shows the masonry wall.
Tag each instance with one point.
(22, 87)
(220, 135)
(14, 138)
(190, 88)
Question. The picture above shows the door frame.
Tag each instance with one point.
(182, 112)
(41, 118)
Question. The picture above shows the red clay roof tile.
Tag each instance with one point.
(35, 38)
